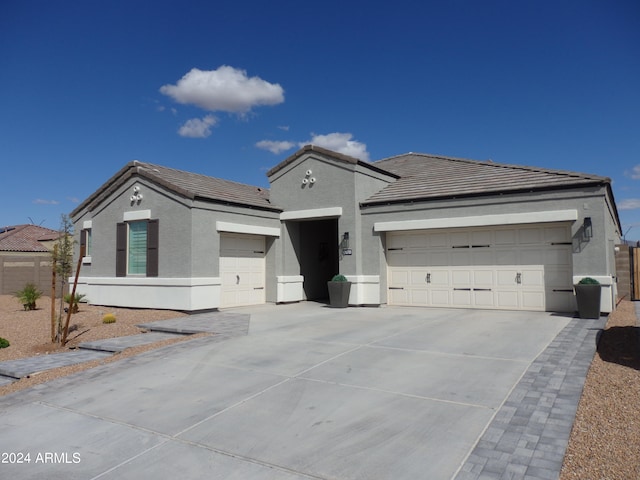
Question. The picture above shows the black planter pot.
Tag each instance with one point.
(339, 294)
(588, 299)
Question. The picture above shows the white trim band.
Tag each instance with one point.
(137, 215)
(250, 229)
(478, 221)
(329, 212)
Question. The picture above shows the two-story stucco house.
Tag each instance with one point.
(415, 229)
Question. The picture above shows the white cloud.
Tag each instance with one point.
(226, 89)
(341, 143)
(634, 173)
(275, 147)
(40, 201)
(284, 128)
(629, 204)
(198, 127)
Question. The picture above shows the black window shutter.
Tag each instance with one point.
(83, 238)
(152, 248)
(121, 250)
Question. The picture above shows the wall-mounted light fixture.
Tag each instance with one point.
(345, 240)
(587, 228)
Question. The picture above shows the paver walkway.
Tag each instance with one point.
(220, 323)
(529, 434)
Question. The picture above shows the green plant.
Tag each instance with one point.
(339, 278)
(588, 281)
(28, 296)
(109, 318)
(79, 297)
(4, 343)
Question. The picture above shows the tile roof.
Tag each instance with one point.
(203, 186)
(424, 177)
(187, 184)
(25, 238)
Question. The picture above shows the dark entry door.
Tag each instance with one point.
(318, 256)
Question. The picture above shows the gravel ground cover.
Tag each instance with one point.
(29, 334)
(604, 442)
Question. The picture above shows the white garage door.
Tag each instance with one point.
(242, 270)
(515, 267)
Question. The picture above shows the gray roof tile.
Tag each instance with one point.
(203, 186)
(425, 177)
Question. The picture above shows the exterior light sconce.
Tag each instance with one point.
(587, 228)
(344, 245)
(345, 240)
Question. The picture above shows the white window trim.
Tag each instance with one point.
(137, 215)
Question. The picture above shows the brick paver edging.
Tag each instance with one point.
(529, 434)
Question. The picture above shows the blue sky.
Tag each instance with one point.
(230, 89)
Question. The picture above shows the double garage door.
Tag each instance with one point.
(507, 267)
(242, 269)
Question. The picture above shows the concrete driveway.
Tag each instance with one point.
(310, 392)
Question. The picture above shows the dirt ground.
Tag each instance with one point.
(604, 444)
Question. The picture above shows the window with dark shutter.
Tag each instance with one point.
(152, 248)
(121, 250)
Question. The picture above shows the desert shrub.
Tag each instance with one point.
(28, 296)
(4, 343)
(79, 297)
(109, 318)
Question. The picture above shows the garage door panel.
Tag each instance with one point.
(483, 256)
(417, 259)
(483, 278)
(419, 277)
(461, 298)
(461, 278)
(506, 257)
(530, 235)
(557, 256)
(460, 258)
(532, 278)
(439, 258)
(242, 270)
(507, 299)
(440, 298)
(483, 298)
(419, 297)
(533, 300)
(439, 240)
(506, 236)
(399, 278)
(508, 267)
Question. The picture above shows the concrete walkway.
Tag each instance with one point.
(313, 392)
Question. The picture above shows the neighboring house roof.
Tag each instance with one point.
(426, 177)
(25, 238)
(187, 184)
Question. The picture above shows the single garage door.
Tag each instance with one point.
(242, 269)
(507, 267)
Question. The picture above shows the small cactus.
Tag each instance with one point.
(4, 343)
(109, 318)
